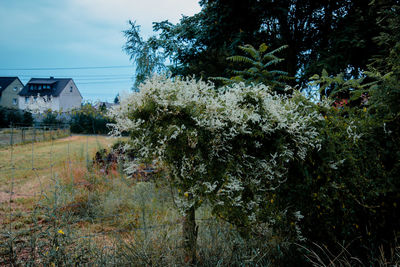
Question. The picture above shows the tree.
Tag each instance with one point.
(9, 116)
(27, 118)
(50, 118)
(145, 54)
(116, 99)
(332, 35)
(230, 148)
(89, 120)
(258, 63)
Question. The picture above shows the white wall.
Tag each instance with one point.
(66, 101)
(55, 103)
(70, 100)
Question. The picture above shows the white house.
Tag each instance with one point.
(63, 92)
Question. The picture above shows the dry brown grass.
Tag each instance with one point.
(37, 164)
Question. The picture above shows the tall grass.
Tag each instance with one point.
(87, 215)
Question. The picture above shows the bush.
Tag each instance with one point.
(50, 118)
(14, 116)
(89, 120)
(265, 169)
(230, 147)
(348, 191)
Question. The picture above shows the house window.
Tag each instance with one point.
(15, 89)
(31, 87)
(26, 99)
(40, 87)
(14, 101)
(70, 89)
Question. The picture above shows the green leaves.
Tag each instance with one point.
(337, 85)
(145, 53)
(258, 63)
(230, 147)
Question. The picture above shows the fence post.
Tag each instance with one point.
(12, 134)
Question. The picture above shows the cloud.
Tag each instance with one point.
(70, 33)
(118, 12)
(60, 21)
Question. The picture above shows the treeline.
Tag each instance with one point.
(89, 120)
(85, 120)
(10, 117)
(338, 36)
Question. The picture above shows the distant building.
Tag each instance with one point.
(64, 93)
(9, 89)
(104, 105)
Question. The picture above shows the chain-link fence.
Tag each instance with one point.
(57, 208)
(17, 134)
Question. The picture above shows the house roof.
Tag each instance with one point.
(107, 105)
(5, 82)
(57, 86)
(42, 82)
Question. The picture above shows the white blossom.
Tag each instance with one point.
(38, 104)
(217, 132)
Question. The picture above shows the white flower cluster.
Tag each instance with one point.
(218, 143)
(38, 104)
(352, 132)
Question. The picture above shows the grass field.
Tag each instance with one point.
(28, 168)
(49, 188)
(20, 135)
(64, 210)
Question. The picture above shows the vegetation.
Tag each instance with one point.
(16, 117)
(89, 120)
(338, 36)
(270, 170)
(258, 63)
(79, 214)
(229, 149)
(347, 189)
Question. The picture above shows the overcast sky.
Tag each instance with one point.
(53, 34)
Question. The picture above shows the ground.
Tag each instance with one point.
(56, 205)
(27, 169)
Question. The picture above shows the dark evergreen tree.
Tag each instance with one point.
(332, 35)
(116, 99)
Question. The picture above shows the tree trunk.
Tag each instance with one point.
(190, 236)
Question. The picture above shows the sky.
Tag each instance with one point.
(79, 39)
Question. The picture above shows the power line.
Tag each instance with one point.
(73, 68)
(126, 78)
(106, 79)
(82, 76)
(97, 82)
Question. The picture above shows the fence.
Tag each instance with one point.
(50, 175)
(17, 134)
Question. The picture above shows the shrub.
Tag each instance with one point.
(231, 147)
(348, 191)
(89, 120)
(14, 116)
(50, 118)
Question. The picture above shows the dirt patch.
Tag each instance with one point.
(70, 138)
(29, 189)
(4, 197)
